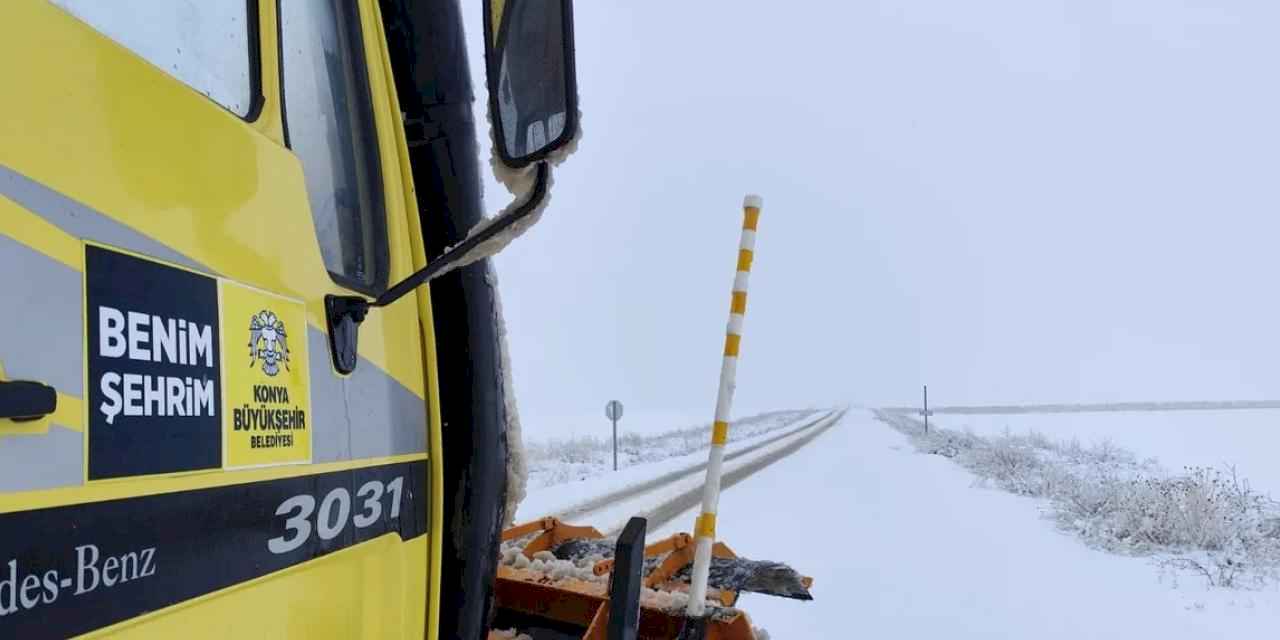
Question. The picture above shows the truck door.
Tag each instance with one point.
(181, 184)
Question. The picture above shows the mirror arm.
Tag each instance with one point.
(345, 313)
(446, 260)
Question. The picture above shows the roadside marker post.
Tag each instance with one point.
(925, 411)
(704, 528)
(613, 411)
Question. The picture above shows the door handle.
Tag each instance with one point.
(23, 400)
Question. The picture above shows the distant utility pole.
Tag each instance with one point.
(925, 411)
(613, 411)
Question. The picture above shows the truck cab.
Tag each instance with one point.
(231, 405)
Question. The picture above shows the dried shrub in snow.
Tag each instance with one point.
(1011, 463)
(1205, 521)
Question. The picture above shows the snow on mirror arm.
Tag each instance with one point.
(345, 313)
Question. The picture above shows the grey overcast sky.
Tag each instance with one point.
(1009, 200)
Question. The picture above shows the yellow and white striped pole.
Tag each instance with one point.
(704, 529)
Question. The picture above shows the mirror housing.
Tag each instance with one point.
(531, 77)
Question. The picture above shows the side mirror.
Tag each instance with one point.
(533, 89)
(533, 100)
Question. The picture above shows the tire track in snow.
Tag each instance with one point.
(660, 515)
(582, 511)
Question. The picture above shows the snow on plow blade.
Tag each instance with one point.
(564, 581)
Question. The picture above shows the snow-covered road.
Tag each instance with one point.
(639, 490)
(659, 492)
(607, 500)
(902, 545)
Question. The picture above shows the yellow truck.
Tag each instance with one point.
(231, 405)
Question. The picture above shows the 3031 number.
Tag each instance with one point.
(334, 512)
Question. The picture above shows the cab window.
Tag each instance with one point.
(329, 125)
(209, 45)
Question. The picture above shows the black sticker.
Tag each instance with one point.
(154, 396)
(69, 570)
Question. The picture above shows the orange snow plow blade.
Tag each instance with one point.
(563, 581)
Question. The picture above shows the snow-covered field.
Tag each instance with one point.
(1247, 439)
(904, 545)
(1203, 522)
(559, 427)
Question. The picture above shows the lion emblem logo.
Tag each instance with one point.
(267, 342)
